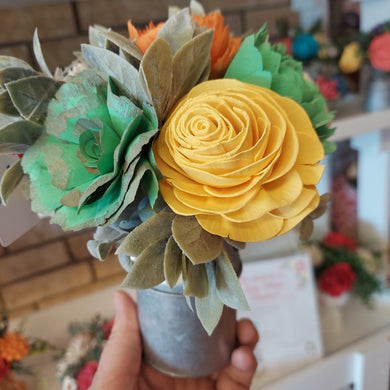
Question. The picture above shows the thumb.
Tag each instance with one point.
(120, 362)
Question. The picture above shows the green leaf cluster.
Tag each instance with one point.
(24, 98)
(177, 60)
(167, 246)
(90, 161)
(269, 66)
(366, 284)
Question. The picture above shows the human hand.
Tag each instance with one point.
(121, 366)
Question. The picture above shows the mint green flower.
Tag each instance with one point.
(269, 66)
(90, 160)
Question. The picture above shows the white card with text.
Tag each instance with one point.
(282, 296)
(16, 218)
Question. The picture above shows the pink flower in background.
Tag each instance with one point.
(328, 88)
(379, 52)
(86, 374)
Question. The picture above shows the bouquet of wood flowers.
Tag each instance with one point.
(172, 142)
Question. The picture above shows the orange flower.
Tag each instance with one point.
(224, 47)
(13, 346)
(144, 37)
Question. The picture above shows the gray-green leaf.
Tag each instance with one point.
(124, 74)
(12, 62)
(148, 269)
(10, 180)
(198, 245)
(154, 229)
(228, 286)
(156, 69)
(39, 56)
(22, 132)
(195, 282)
(31, 96)
(209, 309)
(172, 262)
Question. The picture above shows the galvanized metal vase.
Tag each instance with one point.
(174, 340)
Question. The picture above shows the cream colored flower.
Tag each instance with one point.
(368, 260)
(78, 347)
(69, 384)
(315, 253)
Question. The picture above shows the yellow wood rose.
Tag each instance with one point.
(241, 158)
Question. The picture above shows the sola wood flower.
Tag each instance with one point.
(223, 47)
(13, 347)
(87, 165)
(260, 63)
(351, 58)
(241, 158)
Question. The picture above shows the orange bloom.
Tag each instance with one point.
(145, 37)
(13, 346)
(223, 47)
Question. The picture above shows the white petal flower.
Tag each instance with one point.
(69, 384)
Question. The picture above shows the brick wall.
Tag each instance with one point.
(47, 265)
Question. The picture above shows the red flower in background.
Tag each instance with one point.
(328, 88)
(287, 41)
(107, 328)
(337, 279)
(4, 368)
(335, 239)
(86, 374)
(379, 52)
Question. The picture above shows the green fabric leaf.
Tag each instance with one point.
(6, 105)
(195, 279)
(228, 286)
(154, 229)
(329, 146)
(32, 95)
(20, 133)
(209, 309)
(198, 245)
(125, 75)
(325, 131)
(39, 56)
(177, 30)
(156, 70)
(12, 62)
(103, 242)
(10, 180)
(235, 244)
(148, 269)
(191, 65)
(12, 74)
(172, 262)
